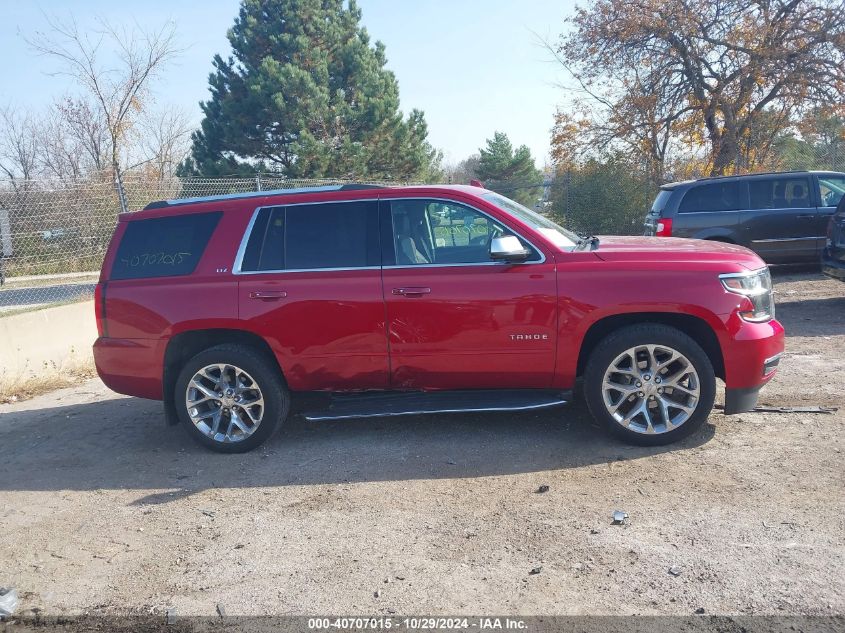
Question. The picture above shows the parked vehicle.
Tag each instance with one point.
(833, 255)
(415, 300)
(780, 216)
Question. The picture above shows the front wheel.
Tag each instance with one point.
(230, 398)
(650, 384)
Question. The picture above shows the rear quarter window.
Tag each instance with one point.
(163, 247)
(717, 196)
(661, 201)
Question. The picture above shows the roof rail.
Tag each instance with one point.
(757, 173)
(161, 204)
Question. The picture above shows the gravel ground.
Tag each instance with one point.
(103, 509)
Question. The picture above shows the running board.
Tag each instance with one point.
(388, 404)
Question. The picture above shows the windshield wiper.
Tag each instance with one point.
(586, 240)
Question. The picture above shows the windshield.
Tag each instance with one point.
(558, 235)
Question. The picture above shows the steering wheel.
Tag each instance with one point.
(487, 239)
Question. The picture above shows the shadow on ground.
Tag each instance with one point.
(124, 444)
(812, 317)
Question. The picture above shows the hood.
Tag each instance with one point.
(618, 248)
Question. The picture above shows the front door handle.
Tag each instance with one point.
(268, 295)
(411, 292)
(806, 217)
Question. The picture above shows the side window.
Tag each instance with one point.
(163, 247)
(780, 193)
(314, 237)
(716, 196)
(438, 232)
(831, 189)
(661, 201)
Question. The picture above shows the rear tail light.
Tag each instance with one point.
(100, 309)
(664, 227)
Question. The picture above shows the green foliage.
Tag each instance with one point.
(510, 172)
(821, 144)
(602, 198)
(307, 95)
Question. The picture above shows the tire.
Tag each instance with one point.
(682, 389)
(257, 377)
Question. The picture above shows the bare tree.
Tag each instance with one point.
(463, 171)
(88, 127)
(18, 145)
(163, 141)
(118, 93)
(73, 140)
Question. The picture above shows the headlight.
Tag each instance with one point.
(756, 286)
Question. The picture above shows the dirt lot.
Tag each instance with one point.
(105, 509)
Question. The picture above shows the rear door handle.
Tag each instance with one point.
(411, 292)
(806, 217)
(268, 295)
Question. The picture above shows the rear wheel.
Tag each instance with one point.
(650, 384)
(230, 398)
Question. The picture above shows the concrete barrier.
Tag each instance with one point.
(43, 342)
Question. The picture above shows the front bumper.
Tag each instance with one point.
(752, 352)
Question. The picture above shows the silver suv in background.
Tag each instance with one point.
(781, 216)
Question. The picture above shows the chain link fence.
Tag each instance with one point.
(54, 234)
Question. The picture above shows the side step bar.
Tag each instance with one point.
(388, 404)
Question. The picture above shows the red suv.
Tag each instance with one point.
(408, 300)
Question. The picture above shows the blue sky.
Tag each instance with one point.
(473, 66)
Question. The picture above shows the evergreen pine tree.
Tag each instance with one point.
(508, 171)
(307, 95)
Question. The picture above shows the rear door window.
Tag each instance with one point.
(715, 196)
(163, 247)
(314, 237)
(780, 193)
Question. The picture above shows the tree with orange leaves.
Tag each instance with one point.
(718, 77)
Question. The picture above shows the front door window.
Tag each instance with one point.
(831, 189)
(436, 232)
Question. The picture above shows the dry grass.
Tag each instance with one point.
(52, 378)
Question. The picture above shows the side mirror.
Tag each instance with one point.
(508, 248)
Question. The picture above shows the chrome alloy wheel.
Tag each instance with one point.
(224, 403)
(651, 389)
